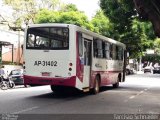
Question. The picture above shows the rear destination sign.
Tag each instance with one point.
(45, 63)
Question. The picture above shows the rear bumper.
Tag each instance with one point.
(156, 71)
(147, 70)
(32, 80)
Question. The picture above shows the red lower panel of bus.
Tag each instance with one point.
(107, 77)
(69, 81)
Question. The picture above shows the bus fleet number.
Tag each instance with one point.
(45, 63)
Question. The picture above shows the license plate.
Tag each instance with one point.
(45, 74)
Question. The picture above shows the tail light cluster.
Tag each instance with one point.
(70, 66)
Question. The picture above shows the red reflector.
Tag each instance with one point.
(45, 74)
(70, 64)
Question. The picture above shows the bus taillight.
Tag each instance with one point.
(70, 64)
(70, 69)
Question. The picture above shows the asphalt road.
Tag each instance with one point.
(140, 94)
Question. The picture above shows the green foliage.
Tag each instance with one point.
(20, 5)
(102, 24)
(69, 7)
(47, 16)
(155, 58)
(157, 45)
(70, 17)
(137, 35)
(25, 10)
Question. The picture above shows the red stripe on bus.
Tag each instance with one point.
(69, 81)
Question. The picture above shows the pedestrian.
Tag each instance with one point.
(2, 72)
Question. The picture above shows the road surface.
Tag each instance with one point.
(140, 94)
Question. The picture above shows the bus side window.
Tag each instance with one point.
(80, 44)
(111, 51)
(95, 50)
(120, 53)
(117, 53)
(100, 50)
(114, 52)
(106, 50)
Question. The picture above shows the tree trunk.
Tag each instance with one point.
(150, 9)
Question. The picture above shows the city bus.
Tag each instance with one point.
(66, 55)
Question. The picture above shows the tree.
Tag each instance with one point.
(157, 45)
(70, 17)
(127, 27)
(120, 13)
(69, 7)
(102, 24)
(24, 11)
(150, 10)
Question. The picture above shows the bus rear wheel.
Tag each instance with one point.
(96, 87)
(56, 89)
(116, 85)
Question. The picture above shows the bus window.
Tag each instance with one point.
(47, 37)
(95, 51)
(98, 51)
(120, 53)
(59, 38)
(41, 42)
(114, 53)
(31, 39)
(117, 49)
(87, 53)
(106, 50)
(111, 51)
(80, 44)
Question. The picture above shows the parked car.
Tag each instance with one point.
(129, 71)
(16, 76)
(148, 69)
(156, 70)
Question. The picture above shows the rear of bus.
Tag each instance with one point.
(50, 55)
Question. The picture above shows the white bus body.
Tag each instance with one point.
(68, 55)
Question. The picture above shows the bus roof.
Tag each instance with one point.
(80, 29)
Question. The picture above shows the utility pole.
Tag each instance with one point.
(140, 63)
(18, 48)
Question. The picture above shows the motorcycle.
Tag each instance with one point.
(6, 83)
(3, 84)
(10, 83)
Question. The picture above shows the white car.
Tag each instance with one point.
(148, 69)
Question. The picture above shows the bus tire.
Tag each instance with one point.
(96, 87)
(56, 89)
(116, 85)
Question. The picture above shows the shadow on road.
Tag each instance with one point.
(69, 95)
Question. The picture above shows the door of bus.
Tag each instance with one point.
(87, 62)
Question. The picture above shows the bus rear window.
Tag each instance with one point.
(47, 38)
